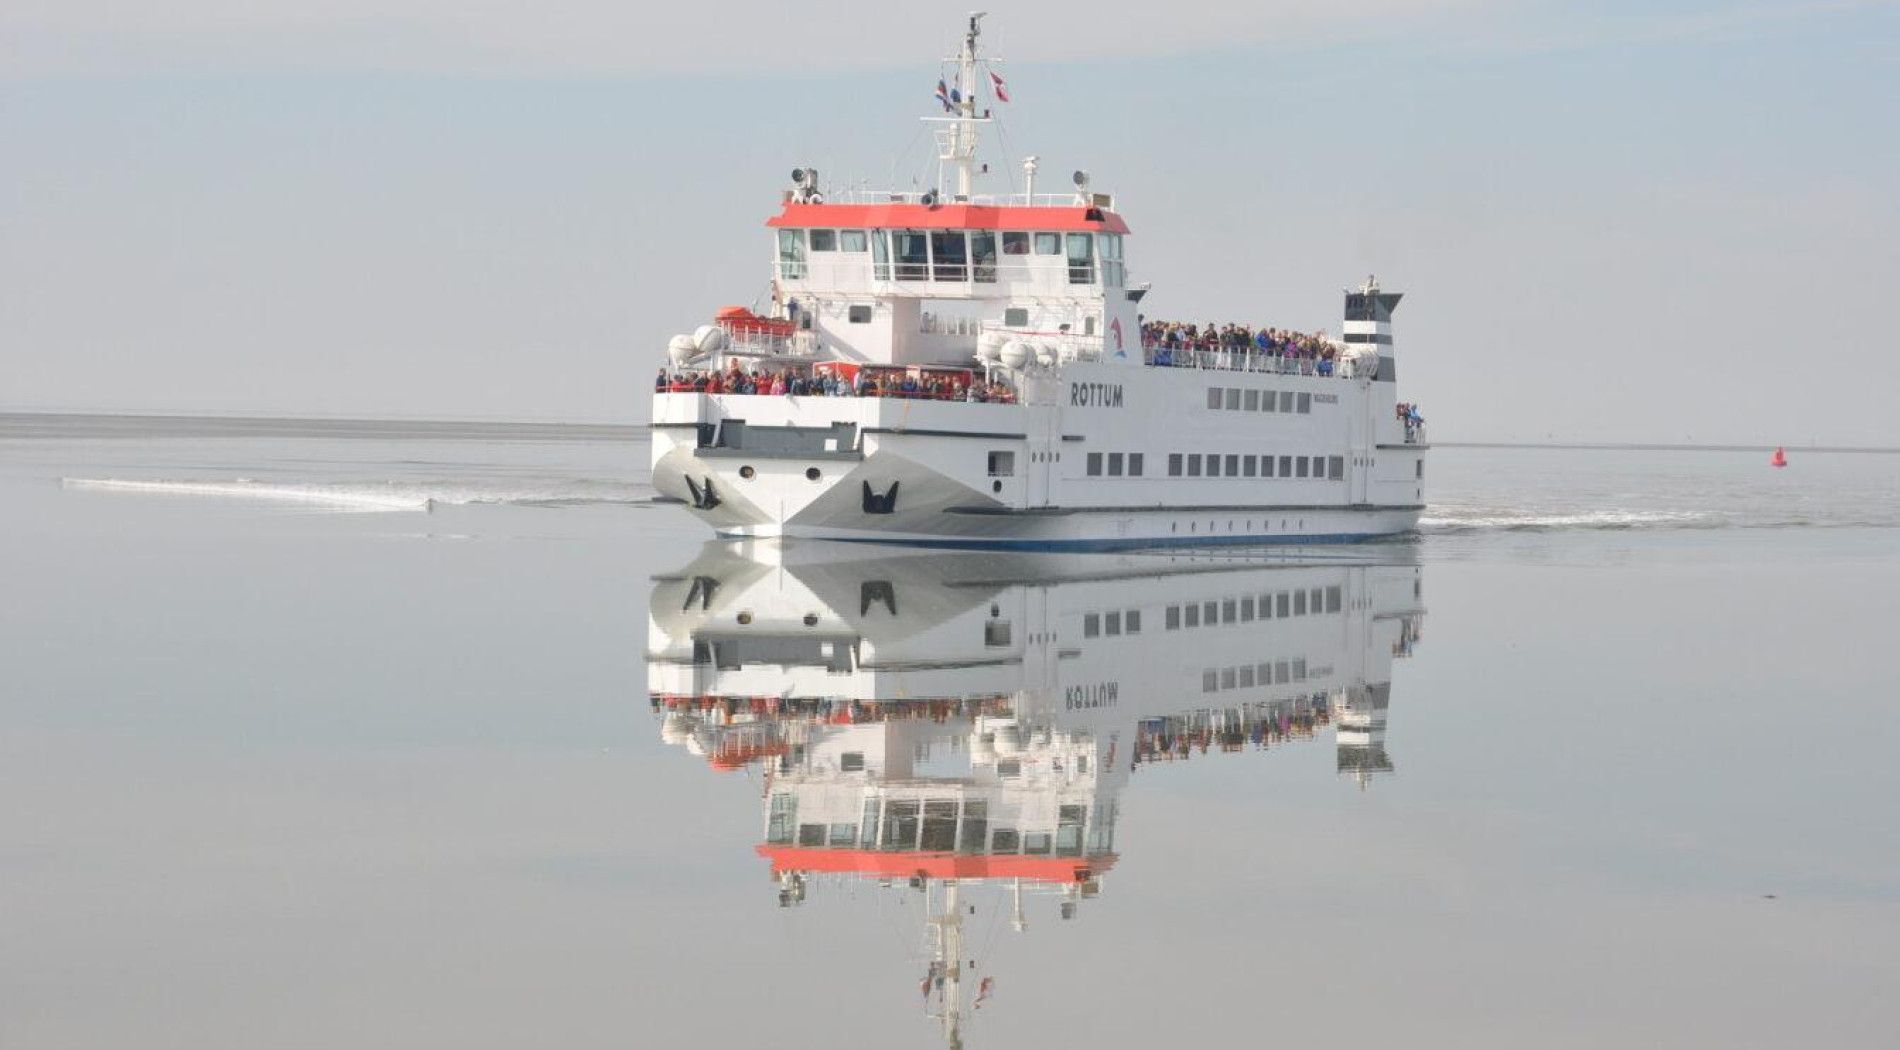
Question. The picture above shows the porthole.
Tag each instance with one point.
(746, 472)
(811, 474)
(811, 619)
(996, 486)
(745, 617)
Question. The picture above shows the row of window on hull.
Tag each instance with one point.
(1322, 468)
(955, 256)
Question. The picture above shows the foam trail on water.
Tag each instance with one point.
(343, 497)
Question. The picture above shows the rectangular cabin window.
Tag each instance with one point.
(1194, 464)
(851, 240)
(858, 313)
(1233, 398)
(1015, 242)
(1286, 466)
(1210, 612)
(1114, 464)
(1246, 609)
(1213, 397)
(1016, 317)
(1266, 466)
(1192, 615)
(949, 256)
(983, 256)
(1210, 681)
(1171, 618)
(824, 240)
(1299, 466)
(1213, 465)
(1112, 623)
(1095, 464)
(1248, 467)
(912, 248)
(851, 762)
(1131, 621)
(1253, 401)
(1081, 258)
(1335, 468)
(880, 256)
(1174, 464)
(1091, 625)
(1233, 465)
(1048, 244)
(1418, 469)
(1306, 403)
(1286, 400)
(996, 634)
(1332, 599)
(1111, 252)
(1002, 464)
(1299, 603)
(1134, 464)
(1266, 400)
(791, 254)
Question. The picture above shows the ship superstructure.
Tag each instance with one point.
(952, 367)
(963, 726)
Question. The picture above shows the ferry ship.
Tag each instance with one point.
(961, 726)
(952, 368)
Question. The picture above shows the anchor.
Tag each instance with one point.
(876, 504)
(703, 499)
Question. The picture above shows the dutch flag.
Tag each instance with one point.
(943, 95)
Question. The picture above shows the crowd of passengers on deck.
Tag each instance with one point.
(796, 383)
(1178, 344)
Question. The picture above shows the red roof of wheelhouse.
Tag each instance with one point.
(948, 217)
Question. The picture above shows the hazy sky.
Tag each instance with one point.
(1647, 221)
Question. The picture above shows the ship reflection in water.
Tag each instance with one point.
(961, 726)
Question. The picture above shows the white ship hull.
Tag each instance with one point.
(1039, 475)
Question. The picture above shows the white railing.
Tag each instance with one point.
(751, 340)
(1246, 361)
(860, 195)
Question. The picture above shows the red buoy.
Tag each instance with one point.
(1779, 459)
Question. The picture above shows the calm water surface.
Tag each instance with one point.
(403, 736)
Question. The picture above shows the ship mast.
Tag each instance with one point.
(957, 142)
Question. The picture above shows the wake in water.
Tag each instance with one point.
(375, 496)
(1459, 519)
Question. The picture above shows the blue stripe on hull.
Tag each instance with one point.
(1120, 544)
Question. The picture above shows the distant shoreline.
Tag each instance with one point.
(108, 424)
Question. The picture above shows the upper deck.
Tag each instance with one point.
(980, 248)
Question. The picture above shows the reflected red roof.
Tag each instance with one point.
(935, 865)
(948, 217)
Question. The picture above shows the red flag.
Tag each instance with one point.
(996, 82)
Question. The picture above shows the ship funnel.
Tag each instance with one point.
(1368, 327)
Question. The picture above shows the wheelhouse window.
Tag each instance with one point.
(912, 248)
(880, 256)
(1015, 242)
(950, 256)
(1111, 249)
(824, 240)
(1048, 244)
(1081, 258)
(983, 256)
(791, 254)
(851, 240)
